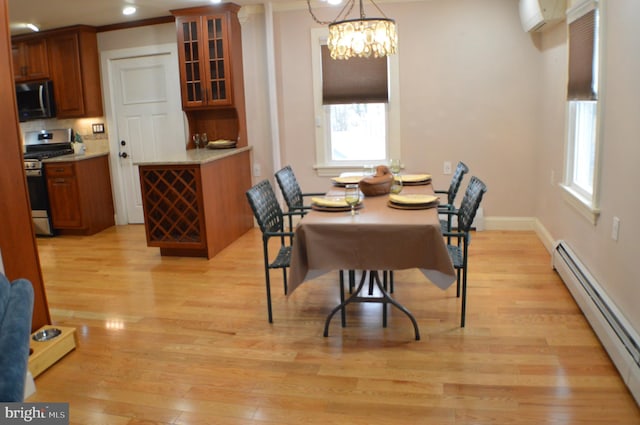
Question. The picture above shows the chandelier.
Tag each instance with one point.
(362, 37)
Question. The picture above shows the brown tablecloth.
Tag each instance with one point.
(378, 238)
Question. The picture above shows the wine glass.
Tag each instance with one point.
(394, 166)
(196, 140)
(204, 139)
(396, 184)
(352, 196)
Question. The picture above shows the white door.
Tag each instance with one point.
(145, 99)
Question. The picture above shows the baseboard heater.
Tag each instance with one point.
(614, 331)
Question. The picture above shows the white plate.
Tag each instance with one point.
(330, 201)
(414, 178)
(346, 180)
(412, 199)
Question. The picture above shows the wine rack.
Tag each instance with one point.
(172, 206)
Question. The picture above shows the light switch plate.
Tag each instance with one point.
(97, 128)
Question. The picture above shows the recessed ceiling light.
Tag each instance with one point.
(129, 10)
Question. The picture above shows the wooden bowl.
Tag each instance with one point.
(376, 185)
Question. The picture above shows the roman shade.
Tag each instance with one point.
(357, 80)
(582, 83)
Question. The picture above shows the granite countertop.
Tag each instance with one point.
(194, 156)
(187, 157)
(76, 156)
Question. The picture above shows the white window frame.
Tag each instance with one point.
(587, 204)
(324, 166)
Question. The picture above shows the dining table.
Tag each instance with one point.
(382, 236)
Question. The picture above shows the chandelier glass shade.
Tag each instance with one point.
(362, 37)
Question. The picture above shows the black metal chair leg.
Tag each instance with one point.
(384, 303)
(284, 279)
(352, 280)
(463, 313)
(268, 285)
(370, 282)
(343, 313)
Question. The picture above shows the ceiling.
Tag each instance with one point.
(48, 14)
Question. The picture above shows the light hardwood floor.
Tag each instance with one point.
(186, 341)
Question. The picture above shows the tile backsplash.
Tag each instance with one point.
(81, 126)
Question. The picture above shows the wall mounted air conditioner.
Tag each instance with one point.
(538, 15)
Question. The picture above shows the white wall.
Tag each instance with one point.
(136, 37)
(469, 88)
(611, 262)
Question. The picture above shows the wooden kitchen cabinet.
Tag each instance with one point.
(75, 71)
(80, 195)
(30, 60)
(203, 51)
(211, 73)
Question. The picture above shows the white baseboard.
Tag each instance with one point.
(509, 223)
(616, 335)
(521, 224)
(544, 236)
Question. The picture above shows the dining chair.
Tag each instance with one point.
(456, 180)
(292, 193)
(459, 252)
(270, 218)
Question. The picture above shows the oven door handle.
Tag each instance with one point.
(33, 173)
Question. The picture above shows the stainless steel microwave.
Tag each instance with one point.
(35, 100)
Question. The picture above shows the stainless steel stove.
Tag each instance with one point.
(41, 145)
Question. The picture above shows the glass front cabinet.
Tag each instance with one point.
(204, 54)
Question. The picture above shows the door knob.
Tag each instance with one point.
(123, 155)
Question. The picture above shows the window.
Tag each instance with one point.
(356, 107)
(582, 153)
(357, 132)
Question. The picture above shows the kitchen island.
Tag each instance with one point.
(194, 201)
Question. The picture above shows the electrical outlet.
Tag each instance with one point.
(257, 170)
(615, 229)
(447, 167)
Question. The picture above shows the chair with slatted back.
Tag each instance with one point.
(459, 252)
(270, 218)
(292, 193)
(456, 180)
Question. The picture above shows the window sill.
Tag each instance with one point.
(580, 204)
(336, 170)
